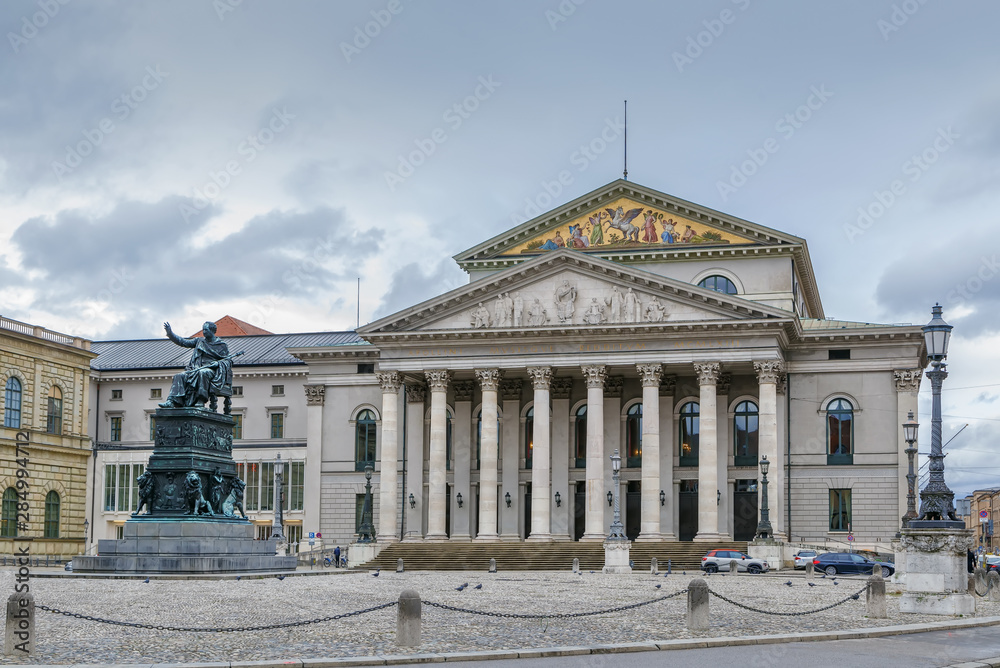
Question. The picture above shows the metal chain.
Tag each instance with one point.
(561, 615)
(234, 629)
(853, 597)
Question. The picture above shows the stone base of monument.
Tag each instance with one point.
(616, 556)
(769, 550)
(936, 571)
(196, 545)
(362, 553)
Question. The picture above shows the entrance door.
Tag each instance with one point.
(527, 509)
(745, 510)
(633, 510)
(447, 513)
(687, 510)
(579, 510)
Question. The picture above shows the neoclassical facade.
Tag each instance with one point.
(692, 342)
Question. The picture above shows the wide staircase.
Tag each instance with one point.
(529, 556)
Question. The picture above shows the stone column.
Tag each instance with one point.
(560, 391)
(594, 377)
(437, 491)
(510, 458)
(461, 518)
(312, 482)
(768, 375)
(541, 492)
(668, 435)
(708, 454)
(489, 381)
(387, 530)
(414, 524)
(649, 522)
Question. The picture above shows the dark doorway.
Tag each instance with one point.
(475, 516)
(527, 509)
(633, 510)
(579, 510)
(687, 510)
(447, 513)
(745, 510)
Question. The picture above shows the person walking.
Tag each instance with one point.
(336, 557)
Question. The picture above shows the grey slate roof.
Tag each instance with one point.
(258, 350)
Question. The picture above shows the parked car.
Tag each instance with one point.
(719, 560)
(992, 562)
(804, 556)
(848, 563)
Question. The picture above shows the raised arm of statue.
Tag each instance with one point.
(179, 340)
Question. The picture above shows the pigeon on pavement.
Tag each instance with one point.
(478, 586)
(789, 583)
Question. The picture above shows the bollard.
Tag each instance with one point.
(733, 567)
(980, 579)
(652, 566)
(810, 569)
(408, 619)
(399, 565)
(576, 565)
(668, 567)
(493, 565)
(993, 584)
(19, 635)
(875, 597)
(972, 584)
(697, 616)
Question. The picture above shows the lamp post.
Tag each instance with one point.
(617, 530)
(910, 436)
(937, 507)
(366, 532)
(764, 531)
(277, 529)
(86, 535)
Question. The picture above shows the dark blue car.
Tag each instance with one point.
(848, 563)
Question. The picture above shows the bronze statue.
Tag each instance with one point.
(215, 491)
(234, 501)
(196, 503)
(146, 491)
(208, 375)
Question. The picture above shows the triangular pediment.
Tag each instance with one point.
(563, 290)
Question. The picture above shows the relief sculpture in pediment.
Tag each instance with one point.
(565, 302)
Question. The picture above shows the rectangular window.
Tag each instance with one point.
(109, 487)
(116, 428)
(237, 390)
(152, 427)
(123, 487)
(238, 427)
(116, 395)
(296, 502)
(359, 508)
(840, 354)
(366, 368)
(285, 486)
(253, 486)
(137, 470)
(53, 421)
(277, 390)
(840, 510)
(156, 393)
(277, 425)
(267, 486)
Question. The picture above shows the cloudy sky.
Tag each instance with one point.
(184, 160)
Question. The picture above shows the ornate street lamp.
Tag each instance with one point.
(764, 531)
(617, 530)
(937, 506)
(663, 498)
(366, 532)
(413, 501)
(558, 500)
(458, 498)
(277, 524)
(910, 436)
(506, 498)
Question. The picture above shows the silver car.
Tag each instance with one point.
(802, 557)
(719, 560)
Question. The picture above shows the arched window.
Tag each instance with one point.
(529, 436)
(12, 404)
(364, 440)
(8, 513)
(840, 432)
(479, 437)
(53, 424)
(689, 427)
(580, 437)
(719, 284)
(633, 436)
(52, 514)
(745, 430)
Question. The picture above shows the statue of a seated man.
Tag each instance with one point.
(209, 373)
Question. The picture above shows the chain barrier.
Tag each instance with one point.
(853, 597)
(231, 629)
(559, 615)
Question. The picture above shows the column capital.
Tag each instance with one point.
(464, 390)
(561, 388)
(613, 386)
(510, 390)
(315, 394)
(769, 371)
(489, 379)
(908, 380)
(389, 381)
(416, 394)
(541, 376)
(782, 385)
(437, 379)
(723, 383)
(650, 374)
(667, 385)
(594, 375)
(708, 372)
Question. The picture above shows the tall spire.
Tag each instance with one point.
(625, 172)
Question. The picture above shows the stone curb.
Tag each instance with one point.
(618, 648)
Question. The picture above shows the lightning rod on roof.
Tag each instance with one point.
(625, 172)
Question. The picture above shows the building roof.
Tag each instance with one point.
(820, 323)
(266, 349)
(230, 326)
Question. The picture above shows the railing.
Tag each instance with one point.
(42, 333)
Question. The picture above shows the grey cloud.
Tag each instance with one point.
(411, 285)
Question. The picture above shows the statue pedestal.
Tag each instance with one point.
(936, 571)
(362, 553)
(616, 556)
(769, 550)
